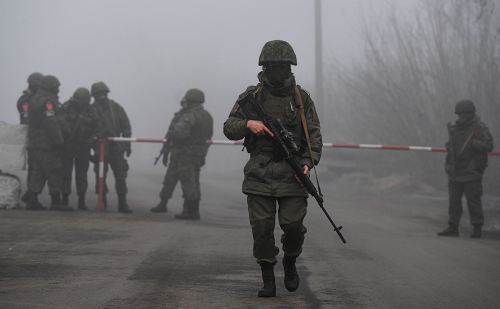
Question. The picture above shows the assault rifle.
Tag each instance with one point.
(285, 145)
(451, 151)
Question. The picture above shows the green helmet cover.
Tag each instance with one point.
(465, 106)
(35, 79)
(194, 96)
(49, 82)
(98, 87)
(277, 51)
(82, 95)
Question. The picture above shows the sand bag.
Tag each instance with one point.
(13, 139)
(10, 191)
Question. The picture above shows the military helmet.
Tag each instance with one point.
(465, 106)
(194, 96)
(98, 87)
(35, 79)
(277, 51)
(49, 82)
(82, 95)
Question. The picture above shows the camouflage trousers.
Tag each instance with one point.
(473, 190)
(119, 166)
(46, 167)
(185, 169)
(81, 165)
(262, 213)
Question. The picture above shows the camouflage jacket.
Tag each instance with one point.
(114, 122)
(47, 126)
(471, 161)
(265, 174)
(191, 131)
(22, 106)
(83, 126)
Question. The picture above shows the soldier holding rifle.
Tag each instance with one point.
(469, 141)
(269, 178)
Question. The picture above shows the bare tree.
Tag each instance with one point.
(413, 72)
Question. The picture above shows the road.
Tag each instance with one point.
(392, 259)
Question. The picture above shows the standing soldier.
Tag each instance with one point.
(115, 123)
(22, 106)
(186, 139)
(470, 140)
(84, 125)
(45, 140)
(268, 179)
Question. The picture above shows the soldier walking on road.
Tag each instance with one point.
(22, 107)
(45, 141)
(84, 125)
(186, 139)
(467, 158)
(268, 177)
(115, 123)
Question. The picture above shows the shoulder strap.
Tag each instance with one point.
(469, 137)
(306, 131)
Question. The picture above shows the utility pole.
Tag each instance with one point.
(319, 97)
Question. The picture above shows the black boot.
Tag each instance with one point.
(33, 203)
(105, 201)
(26, 197)
(477, 231)
(190, 210)
(57, 204)
(161, 207)
(122, 204)
(81, 202)
(449, 231)
(291, 276)
(269, 288)
(65, 199)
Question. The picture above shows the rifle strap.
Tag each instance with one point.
(468, 138)
(306, 131)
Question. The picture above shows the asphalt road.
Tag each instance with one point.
(392, 259)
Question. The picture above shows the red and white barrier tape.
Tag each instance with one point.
(365, 146)
(101, 206)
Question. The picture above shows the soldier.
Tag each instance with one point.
(186, 139)
(84, 125)
(268, 179)
(470, 140)
(45, 140)
(22, 106)
(115, 123)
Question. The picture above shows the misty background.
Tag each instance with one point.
(393, 70)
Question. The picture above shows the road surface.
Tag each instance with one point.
(392, 259)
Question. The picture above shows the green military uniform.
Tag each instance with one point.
(114, 123)
(268, 178)
(22, 107)
(471, 140)
(189, 131)
(84, 125)
(45, 139)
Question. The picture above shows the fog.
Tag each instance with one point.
(150, 53)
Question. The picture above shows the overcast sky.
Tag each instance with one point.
(150, 53)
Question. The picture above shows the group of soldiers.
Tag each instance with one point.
(61, 137)
(55, 144)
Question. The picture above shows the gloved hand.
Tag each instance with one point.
(165, 159)
(128, 149)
